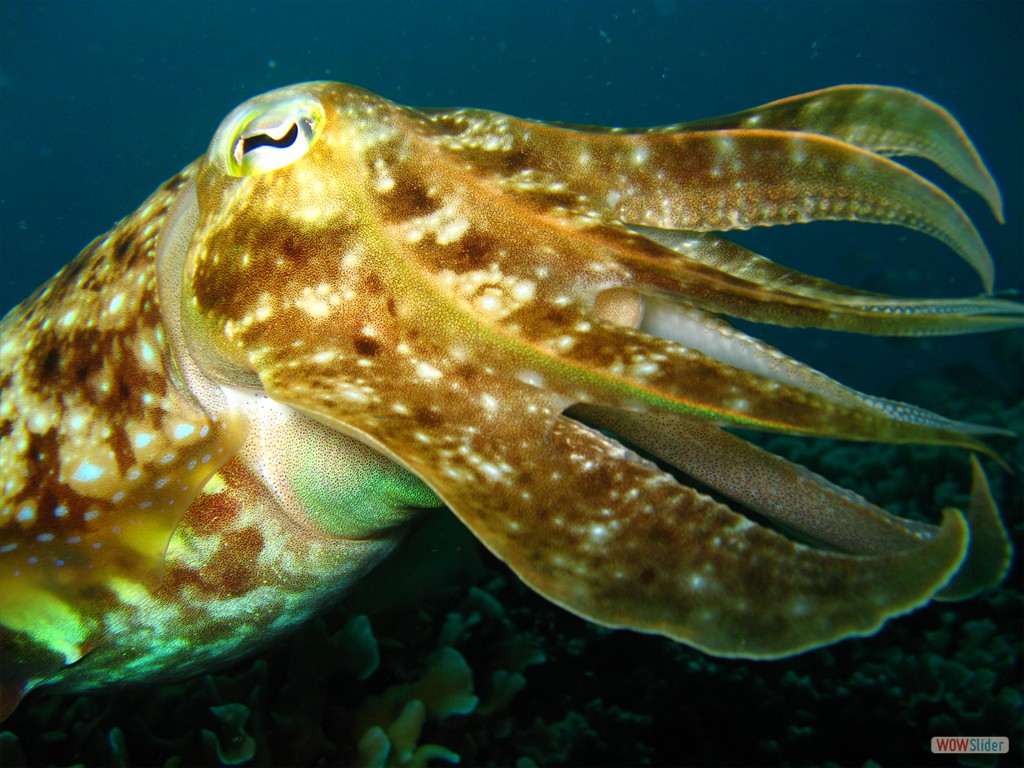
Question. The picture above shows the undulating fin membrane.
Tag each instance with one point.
(100, 470)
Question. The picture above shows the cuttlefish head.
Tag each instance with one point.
(461, 290)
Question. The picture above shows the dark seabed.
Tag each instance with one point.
(100, 102)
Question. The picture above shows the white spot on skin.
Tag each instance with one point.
(523, 290)
(312, 304)
(798, 152)
(143, 439)
(799, 608)
(532, 378)
(491, 471)
(384, 182)
(116, 303)
(452, 231)
(26, 515)
(427, 371)
(646, 368)
(564, 343)
(183, 430)
(87, 472)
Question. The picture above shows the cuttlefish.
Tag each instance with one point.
(230, 407)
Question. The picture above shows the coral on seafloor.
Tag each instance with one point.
(471, 667)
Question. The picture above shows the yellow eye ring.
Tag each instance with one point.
(262, 136)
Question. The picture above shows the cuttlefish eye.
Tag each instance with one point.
(263, 137)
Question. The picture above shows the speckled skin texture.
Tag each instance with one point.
(229, 408)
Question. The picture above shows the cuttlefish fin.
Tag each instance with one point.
(97, 475)
(609, 536)
(11, 694)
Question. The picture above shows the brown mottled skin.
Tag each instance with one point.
(225, 411)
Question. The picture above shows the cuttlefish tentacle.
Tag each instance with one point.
(766, 292)
(803, 501)
(882, 119)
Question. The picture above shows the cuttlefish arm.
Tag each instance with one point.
(608, 536)
(792, 165)
(890, 121)
(766, 292)
(803, 501)
(443, 286)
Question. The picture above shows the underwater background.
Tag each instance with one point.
(102, 101)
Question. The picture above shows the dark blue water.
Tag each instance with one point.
(102, 101)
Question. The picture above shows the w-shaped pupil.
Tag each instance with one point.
(263, 140)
